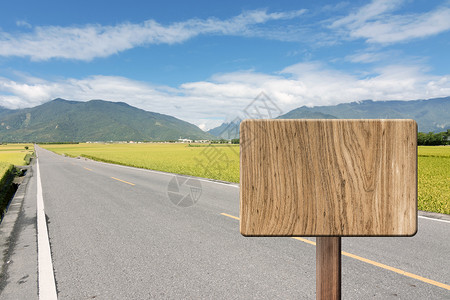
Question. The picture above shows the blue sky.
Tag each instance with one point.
(205, 61)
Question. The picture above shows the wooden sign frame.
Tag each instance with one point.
(328, 177)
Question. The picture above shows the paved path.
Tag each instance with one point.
(115, 234)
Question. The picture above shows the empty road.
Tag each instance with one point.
(115, 233)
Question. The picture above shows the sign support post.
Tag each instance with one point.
(328, 268)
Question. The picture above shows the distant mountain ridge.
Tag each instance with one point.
(432, 115)
(227, 130)
(62, 120)
(4, 111)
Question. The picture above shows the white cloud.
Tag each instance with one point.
(365, 13)
(224, 96)
(376, 23)
(90, 41)
(373, 54)
(22, 23)
(365, 57)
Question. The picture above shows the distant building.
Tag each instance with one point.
(184, 141)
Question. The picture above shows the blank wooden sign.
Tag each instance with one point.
(328, 177)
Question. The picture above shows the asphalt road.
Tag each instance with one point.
(115, 234)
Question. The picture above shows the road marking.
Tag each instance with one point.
(46, 279)
(87, 169)
(123, 181)
(304, 240)
(229, 216)
(374, 263)
(401, 272)
(434, 219)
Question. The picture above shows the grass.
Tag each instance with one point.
(222, 162)
(10, 155)
(6, 188)
(16, 154)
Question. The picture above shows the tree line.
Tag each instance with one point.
(433, 139)
(423, 139)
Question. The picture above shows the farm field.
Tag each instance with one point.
(218, 162)
(4, 167)
(222, 162)
(434, 178)
(15, 153)
(434, 151)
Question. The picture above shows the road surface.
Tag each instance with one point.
(114, 233)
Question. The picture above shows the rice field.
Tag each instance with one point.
(15, 153)
(434, 151)
(222, 162)
(434, 178)
(218, 162)
(4, 167)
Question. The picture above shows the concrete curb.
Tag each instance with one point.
(10, 218)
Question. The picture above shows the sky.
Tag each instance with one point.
(205, 61)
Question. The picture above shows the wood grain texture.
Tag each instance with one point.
(328, 177)
(328, 268)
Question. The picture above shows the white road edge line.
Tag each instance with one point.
(46, 279)
(434, 219)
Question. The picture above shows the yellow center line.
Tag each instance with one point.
(304, 240)
(123, 181)
(229, 216)
(374, 263)
(401, 272)
(87, 169)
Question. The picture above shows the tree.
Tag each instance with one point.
(433, 139)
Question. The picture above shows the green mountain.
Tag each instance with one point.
(4, 111)
(430, 115)
(96, 120)
(306, 114)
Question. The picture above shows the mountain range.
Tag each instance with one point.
(62, 120)
(432, 115)
(97, 120)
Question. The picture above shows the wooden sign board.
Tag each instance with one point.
(328, 178)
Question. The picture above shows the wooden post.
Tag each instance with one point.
(328, 268)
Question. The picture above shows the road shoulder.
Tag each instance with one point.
(433, 215)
